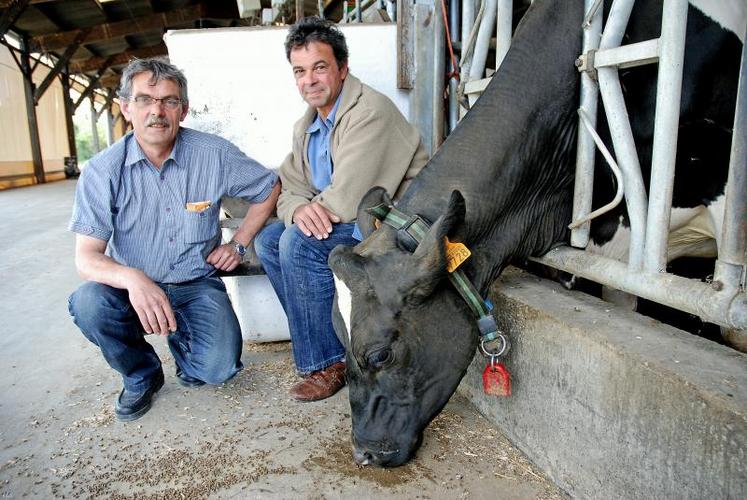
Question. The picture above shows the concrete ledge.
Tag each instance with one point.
(611, 404)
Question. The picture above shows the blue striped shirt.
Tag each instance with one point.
(141, 211)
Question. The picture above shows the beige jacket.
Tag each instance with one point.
(372, 145)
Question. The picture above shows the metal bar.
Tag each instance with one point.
(358, 14)
(320, 6)
(627, 158)
(422, 98)
(439, 70)
(622, 135)
(504, 19)
(468, 18)
(406, 34)
(453, 83)
(480, 56)
(617, 22)
(628, 56)
(28, 87)
(732, 248)
(666, 125)
(585, 152)
(391, 9)
(724, 307)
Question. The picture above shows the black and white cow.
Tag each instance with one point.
(502, 184)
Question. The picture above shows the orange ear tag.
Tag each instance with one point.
(456, 253)
(377, 223)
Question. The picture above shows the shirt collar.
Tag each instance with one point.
(135, 153)
(328, 122)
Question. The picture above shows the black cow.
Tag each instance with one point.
(502, 184)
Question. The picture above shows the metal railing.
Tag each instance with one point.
(722, 301)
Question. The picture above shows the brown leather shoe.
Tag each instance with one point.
(321, 384)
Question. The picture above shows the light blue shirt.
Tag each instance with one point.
(140, 211)
(320, 158)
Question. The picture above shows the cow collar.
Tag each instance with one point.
(493, 342)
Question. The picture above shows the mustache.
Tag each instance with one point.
(156, 120)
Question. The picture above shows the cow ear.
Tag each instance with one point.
(430, 256)
(347, 266)
(366, 221)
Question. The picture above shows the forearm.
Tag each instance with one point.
(103, 269)
(256, 217)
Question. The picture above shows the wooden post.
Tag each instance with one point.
(65, 77)
(28, 88)
(299, 10)
(94, 128)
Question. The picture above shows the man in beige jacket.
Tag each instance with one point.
(350, 139)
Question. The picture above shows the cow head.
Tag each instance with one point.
(408, 335)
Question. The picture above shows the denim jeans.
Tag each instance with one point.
(297, 267)
(206, 345)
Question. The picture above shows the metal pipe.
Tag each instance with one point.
(468, 18)
(439, 70)
(320, 6)
(617, 22)
(724, 307)
(453, 83)
(477, 67)
(627, 158)
(666, 125)
(358, 15)
(585, 152)
(732, 248)
(504, 19)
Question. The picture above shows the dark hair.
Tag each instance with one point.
(315, 29)
(159, 68)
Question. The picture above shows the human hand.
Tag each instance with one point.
(151, 304)
(224, 257)
(313, 219)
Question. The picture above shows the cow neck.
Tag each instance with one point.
(414, 228)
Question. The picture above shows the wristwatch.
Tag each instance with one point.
(240, 249)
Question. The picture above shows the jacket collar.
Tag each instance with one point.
(351, 92)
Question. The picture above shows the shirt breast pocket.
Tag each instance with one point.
(201, 226)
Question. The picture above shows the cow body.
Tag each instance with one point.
(501, 184)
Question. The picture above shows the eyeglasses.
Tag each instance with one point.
(145, 101)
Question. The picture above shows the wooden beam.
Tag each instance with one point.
(65, 77)
(92, 84)
(406, 33)
(121, 58)
(10, 16)
(107, 31)
(110, 95)
(60, 65)
(28, 88)
(111, 81)
(4, 4)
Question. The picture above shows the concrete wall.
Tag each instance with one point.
(612, 404)
(241, 86)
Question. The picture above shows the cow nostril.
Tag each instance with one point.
(362, 457)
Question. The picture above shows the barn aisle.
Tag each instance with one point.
(243, 439)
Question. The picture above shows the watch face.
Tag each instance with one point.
(240, 248)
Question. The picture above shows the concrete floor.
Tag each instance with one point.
(244, 439)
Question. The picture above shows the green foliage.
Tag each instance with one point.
(84, 142)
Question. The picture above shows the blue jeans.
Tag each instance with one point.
(206, 345)
(297, 267)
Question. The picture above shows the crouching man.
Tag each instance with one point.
(148, 241)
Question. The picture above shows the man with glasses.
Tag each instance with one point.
(350, 139)
(148, 241)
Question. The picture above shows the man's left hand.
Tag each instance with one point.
(224, 257)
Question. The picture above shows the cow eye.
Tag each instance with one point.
(380, 358)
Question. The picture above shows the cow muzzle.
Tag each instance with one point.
(391, 455)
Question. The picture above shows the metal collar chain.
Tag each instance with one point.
(493, 342)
